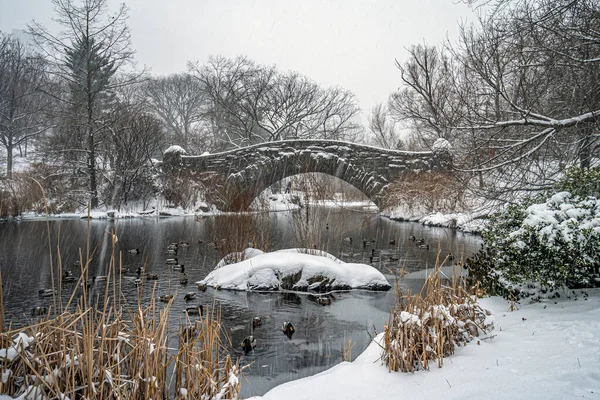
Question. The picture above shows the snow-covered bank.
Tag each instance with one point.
(541, 351)
(293, 269)
(473, 221)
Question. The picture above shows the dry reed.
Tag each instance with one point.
(108, 350)
(429, 325)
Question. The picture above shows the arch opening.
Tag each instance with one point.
(315, 187)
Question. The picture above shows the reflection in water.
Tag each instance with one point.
(321, 330)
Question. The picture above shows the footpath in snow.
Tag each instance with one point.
(540, 351)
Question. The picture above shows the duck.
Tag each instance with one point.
(288, 329)
(412, 237)
(347, 239)
(134, 251)
(200, 241)
(184, 244)
(165, 298)
(39, 311)
(151, 277)
(173, 246)
(368, 242)
(195, 310)
(183, 280)
(189, 296)
(67, 276)
(450, 256)
(248, 344)
(419, 242)
(324, 301)
(137, 282)
(179, 267)
(139, 270)
(256, 321)
(101, 278)
(77, 263)
(394, 258)
(172, 251)
(424, 246)
(201, 286)
(172, 261)
(392, 242)
(46, 292)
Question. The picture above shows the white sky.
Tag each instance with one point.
(348, 43)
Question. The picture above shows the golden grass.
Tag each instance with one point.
(428, 326)
(113, 350)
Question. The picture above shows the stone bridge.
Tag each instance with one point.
(245, 172)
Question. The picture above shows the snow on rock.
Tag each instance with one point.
(541, 351)
(441, 145)
(175, 149)
(294, 270)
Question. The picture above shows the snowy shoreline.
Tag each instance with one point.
(540, 351)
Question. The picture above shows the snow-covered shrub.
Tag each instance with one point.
(429, 327)
(553, 243)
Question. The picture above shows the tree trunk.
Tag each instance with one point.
(9, 160)
(92, 169)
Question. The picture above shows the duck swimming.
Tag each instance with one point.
(165, 298)
(183, 280)
(172, 261)
(39, 311)
(134, 251)
(256, 321)
(179, 267)
(201, 286)
(248, 344)
(288, 329)
(195, 310)
(189, 296)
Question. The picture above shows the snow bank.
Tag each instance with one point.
(293, 270)
(542, 351)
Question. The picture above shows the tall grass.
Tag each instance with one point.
(110, 349)
(428, 326)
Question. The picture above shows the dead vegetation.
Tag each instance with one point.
(428, 326)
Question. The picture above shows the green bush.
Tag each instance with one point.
(553, 243)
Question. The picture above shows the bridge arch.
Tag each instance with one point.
(246, 172)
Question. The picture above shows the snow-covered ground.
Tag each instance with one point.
(294, 269)
(467, 221)
(540, 351)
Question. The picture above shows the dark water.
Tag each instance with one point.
(321, 331)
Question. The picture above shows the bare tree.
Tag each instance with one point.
(383, 129)
(87, 55)
(135, 138)
(179, 101)
(427, 101)
(540, 68)
(22, 104)
(250, 103)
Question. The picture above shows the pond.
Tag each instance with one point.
(321, 331)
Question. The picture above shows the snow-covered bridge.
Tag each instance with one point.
(246, 172)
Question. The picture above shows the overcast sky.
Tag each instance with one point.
(348, 43)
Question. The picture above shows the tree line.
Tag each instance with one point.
(517, 96)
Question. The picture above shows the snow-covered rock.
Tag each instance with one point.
(176, 150)
(293, 270)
